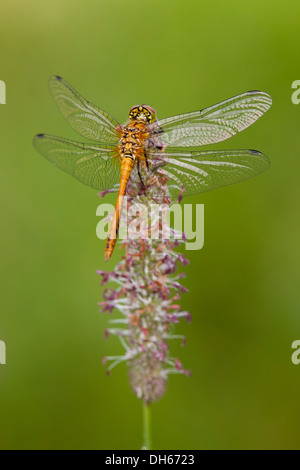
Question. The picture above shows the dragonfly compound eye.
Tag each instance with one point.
(142, 113)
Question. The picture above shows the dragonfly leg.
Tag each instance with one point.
(139, 173)
(152, 178)
(146, 174)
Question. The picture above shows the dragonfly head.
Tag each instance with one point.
(142, 113)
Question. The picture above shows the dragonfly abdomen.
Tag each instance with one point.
(126, 167)
(131, 148)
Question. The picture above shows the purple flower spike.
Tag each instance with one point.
(146, 294)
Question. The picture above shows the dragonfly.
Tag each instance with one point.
(106, 163)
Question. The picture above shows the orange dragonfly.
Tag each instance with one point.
(107, 163)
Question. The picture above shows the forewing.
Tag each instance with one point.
(85, 118)
(216, 123)
(196, 172)
(94, 165)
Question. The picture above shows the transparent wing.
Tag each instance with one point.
(93, 165)
(216, 123)
(198, 171)
(85, 118)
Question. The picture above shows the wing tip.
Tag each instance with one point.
(53, 80)
(36, 141)
(262, 156)
(266, 95)
(37, 138)
(255, 152)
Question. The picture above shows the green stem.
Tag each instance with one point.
(147, 427)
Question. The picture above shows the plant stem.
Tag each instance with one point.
(147, 427)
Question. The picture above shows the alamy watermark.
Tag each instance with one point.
(296, 353)
(2, 101)
(2, 352)
(184, 221)
(296, 94)
(2, 92)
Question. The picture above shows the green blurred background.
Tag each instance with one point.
(176, 56)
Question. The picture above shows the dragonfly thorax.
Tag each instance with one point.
(132, 140)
